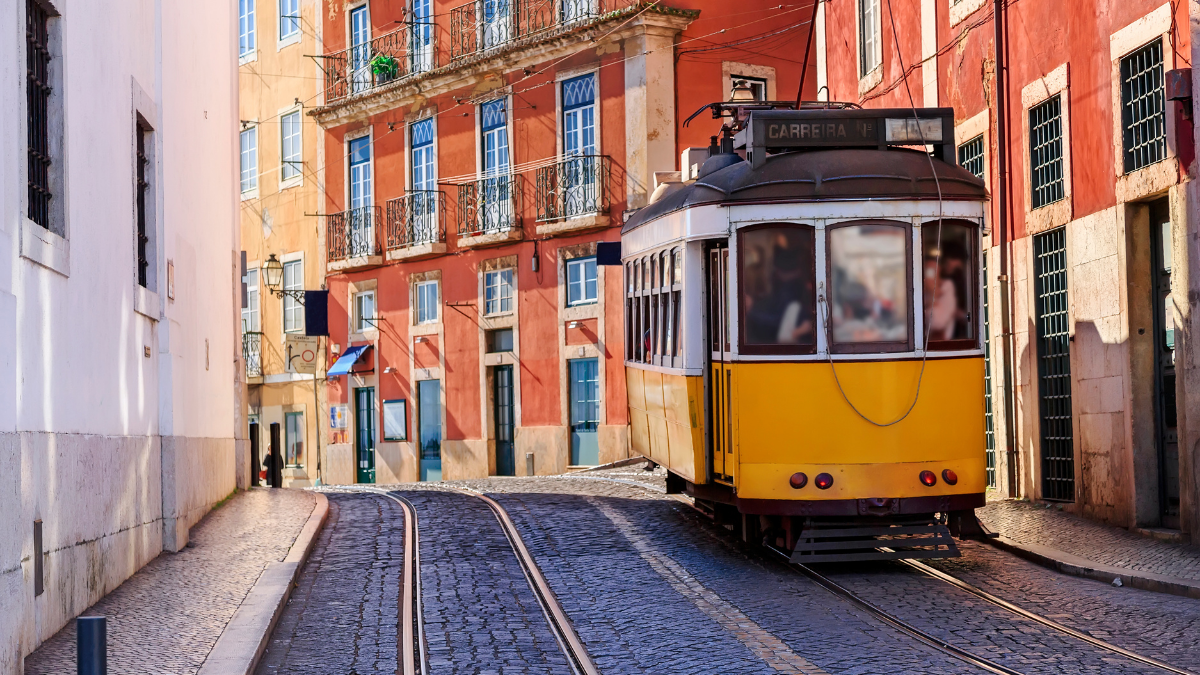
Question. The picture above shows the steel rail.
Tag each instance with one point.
(568, 640)
(412, 620)
(1050, 623)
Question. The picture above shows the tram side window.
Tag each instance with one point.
(869, 287)
(629, 312)
(949, 282)
(777, 285)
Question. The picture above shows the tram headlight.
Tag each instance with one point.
(949, 476)
(928, 478)
(798, 480)
(824, 481)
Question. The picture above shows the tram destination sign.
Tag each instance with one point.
(782, 130)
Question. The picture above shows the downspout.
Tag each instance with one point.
(1006, 318)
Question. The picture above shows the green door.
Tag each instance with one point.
(585, 412)
(364, 439)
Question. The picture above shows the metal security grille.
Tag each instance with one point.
(970, 156)
(142, 237)
(1054, 366)
(37, 89)
(989, 426)
(1143, 107)
(1046, 152)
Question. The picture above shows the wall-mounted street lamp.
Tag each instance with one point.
(273, 272)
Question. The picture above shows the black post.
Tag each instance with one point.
(91, 645)
(275, 470)
(255, 454)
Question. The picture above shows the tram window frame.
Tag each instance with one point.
(744, 346)
(827, 325)
(973, 306)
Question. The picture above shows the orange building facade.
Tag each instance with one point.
(475, 156)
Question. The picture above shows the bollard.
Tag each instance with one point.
(91, 644)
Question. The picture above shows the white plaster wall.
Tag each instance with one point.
(86, 419)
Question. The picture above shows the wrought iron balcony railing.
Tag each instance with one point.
(489, 205)
(252, 353)
(353, 233)
(418, 217)
(481, 25)
(574, 186)
(406, 51)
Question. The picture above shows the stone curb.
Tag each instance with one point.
(245, 637)
(1082, 567)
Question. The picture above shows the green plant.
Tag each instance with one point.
(385, 67)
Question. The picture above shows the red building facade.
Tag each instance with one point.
(1082, 127)
(474, 157)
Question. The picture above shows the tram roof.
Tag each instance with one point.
(822, 175)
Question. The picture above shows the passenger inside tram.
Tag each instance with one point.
(946, 282)
(777, 286)
(868, 284)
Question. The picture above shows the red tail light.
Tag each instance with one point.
(824, 481)
(928, 478)
(949, 476)
(798, 480)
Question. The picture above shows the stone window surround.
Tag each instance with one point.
(501, 320)
(418, 329)
(499, 93)
(1159, 176)
(870, 80)
(352, 290)
(298, 179)
(283, 260)
(731, 68)
(291, 39)
(578, 313)
(368, 131)
(488, 360)
(559, 78)
(979, 125)
(961, 9)
(146, 299)
(1056, 82)
(429, 112)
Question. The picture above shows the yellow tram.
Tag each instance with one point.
(803, 327)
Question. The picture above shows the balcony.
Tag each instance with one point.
(572, 195)
(252, 353)
(352, 239)
(488, 211)
(404, 52)
(483, 25)
(416, 225)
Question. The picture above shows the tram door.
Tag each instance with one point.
(720, 373)
(1164, 363)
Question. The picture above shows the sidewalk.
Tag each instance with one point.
(168, 616)
(1080, 547)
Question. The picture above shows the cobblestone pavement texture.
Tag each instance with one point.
(343, 616)
(651, 591)
(1023, 522)
(481, 616)
(1163, 627)
(167, 617)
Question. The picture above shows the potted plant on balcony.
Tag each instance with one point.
(386, 68)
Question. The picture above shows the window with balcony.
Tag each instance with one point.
(246, 35)
(249, 159)
(496, 187)
(870, 47)
(355, 228)
(426, 293)
(579, 172)
(360, 49)
(291, 163)
(293, 310)
(364, 311)
(424, 183)
(498, 292)
(289, 19)
(581, 281)
(1143, 107)
(421, 36)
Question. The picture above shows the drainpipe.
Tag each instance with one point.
(1006, 318)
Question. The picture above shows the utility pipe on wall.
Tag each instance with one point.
(1006, 319)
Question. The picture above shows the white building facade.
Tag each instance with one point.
(121, 393)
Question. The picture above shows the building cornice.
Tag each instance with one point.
(469, 72)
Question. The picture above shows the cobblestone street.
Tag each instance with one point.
(651, 586)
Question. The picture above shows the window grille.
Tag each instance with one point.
(292, 161)
(1047, 183)
(970, 156)
(37, 88)
(988, 416)
(1143, 107)
(1054, 366)
(143, 236)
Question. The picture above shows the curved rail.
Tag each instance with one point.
(568, 640)
(1050, 623)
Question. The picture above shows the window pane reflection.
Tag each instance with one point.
(868, 279)
(948, 282)
(777, 286)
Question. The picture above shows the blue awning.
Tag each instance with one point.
(347, 360)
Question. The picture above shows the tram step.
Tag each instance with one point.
(841, 543)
